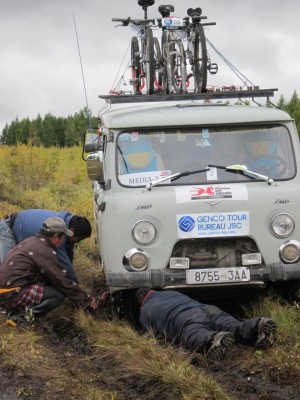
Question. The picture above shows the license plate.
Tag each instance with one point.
(217, 275)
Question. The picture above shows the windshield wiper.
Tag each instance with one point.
(243, 169)
(173, 177)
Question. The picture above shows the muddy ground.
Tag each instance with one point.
(238, 373)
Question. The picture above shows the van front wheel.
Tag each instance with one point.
(124, 306)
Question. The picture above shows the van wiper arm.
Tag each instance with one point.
(243, 169)
(174, 177)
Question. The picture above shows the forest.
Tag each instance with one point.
(68, 131)
(49, 130)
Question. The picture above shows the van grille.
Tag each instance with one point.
(214, 252)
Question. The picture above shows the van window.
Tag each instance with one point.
(146, 155)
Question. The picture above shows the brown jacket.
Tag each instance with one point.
(34, 260)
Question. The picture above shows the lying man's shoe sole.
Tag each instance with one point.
(266, 333)
(221, 342)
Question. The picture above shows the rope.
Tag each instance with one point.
(122, 77)
(230, 65)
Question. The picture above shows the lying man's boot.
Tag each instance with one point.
(221, 342)
(266, 333)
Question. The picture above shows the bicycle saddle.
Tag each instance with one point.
(194, 12)
(146, 3)
(165, 10)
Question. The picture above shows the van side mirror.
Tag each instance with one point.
(92, 142)
(92, 147)
(94, 167)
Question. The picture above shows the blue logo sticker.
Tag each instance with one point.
(186, 223)
(168, 21)
(125, 136)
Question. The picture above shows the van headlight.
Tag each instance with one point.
(136, 260)
(144, 232)
(282, 225)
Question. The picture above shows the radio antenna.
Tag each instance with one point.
(86, 99)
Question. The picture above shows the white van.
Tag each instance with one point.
(200, 197)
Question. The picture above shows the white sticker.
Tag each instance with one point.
(212, 174)
(134, 136)
(211, 192)
(213, 224)
(171, 22)
(143, 178)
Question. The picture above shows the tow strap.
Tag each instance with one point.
(3, 291)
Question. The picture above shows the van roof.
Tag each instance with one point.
(189, 114)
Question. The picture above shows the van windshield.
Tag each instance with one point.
(147, 155)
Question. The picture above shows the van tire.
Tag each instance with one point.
(125, 307)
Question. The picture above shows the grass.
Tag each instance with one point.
(139, 357)
(78, 356)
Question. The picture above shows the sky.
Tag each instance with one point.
(40, 63)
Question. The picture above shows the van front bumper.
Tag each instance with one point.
(166, 278)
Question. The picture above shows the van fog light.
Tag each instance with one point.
(136, 260)
(290, 251)
(144, 232)
(251, 259)
(179, 263)
(282, 225)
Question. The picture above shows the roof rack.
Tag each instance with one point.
(223, 93)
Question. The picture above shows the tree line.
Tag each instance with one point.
(49, 131)
(68, 131)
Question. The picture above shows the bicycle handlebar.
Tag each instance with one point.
(158, 21)
(127, 21)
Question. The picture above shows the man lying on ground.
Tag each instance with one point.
(199, 327)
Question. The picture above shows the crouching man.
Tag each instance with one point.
(32, 281)
(199, 327)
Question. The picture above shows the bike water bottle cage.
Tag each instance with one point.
(165, 10)
(194, 12)
(146, 3)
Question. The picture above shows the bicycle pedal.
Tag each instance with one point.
(213, 68)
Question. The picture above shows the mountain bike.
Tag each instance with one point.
(145, 51)
(174, 75)
(196, 48)
(175, 30)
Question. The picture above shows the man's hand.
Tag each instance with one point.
(93, 304)
(101, 303)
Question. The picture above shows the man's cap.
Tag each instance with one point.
(56, 225)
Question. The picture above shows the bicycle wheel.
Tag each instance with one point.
(178, 65)
(200, 60)
(135, 65)
(158, 64)
(149, 61)
(165, 58)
